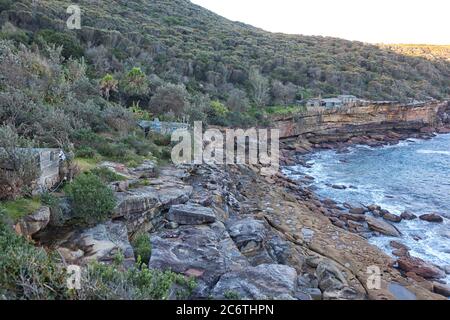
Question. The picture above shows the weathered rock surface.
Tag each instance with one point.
(441, 289)
(191, 214)
(420, 267)
(382, 227)
(392, 217)
(142, 208)
(408, 215)
(432, 217)
(100, 243)
(266, 281)
(206, 250)
(33, 223)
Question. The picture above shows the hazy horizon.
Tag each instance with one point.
(384, 21)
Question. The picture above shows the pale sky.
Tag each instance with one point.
(374, 21)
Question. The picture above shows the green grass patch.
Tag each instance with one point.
(16, 209)
(86, 164)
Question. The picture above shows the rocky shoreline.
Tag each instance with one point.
(240, 235)
(371, 220)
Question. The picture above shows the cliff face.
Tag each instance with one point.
(340, 125)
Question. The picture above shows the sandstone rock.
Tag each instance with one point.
(142, 207)
(420, 267)
(333, 283)
(382, 227)
(374, 207)
(33, 223)
(432, 217)
(70, 256)
(101, 243)
(408, 216)
(353, 217)
(441, 289)
(191, 213)
(329, 276)
(263, 282)
(392, 217)
(398, 245)
(358, 210)
(248, 234)
(355, 226)
(145, 170)
(338, 187)
(117, 168)
(206, 248)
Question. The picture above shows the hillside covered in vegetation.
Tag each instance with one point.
(180, 43)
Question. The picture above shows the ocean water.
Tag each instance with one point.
(413, 175)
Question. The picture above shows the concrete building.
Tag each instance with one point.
(48, 162)
(331, 103)
(348, 99)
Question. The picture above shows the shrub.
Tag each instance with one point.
(18, 167)
(91, 199)
(142, 247)
(70, 44)
(86, 152)
(135, 83)
(107, 175)
(168, 98)
(27, 272)
(107, 282)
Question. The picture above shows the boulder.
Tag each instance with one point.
(248, 234)
(353, 217)
(101, 243)
(408, 216)
(191, 214)
(382, 227)
(33, 223)
(263, 282)
(392, 217)
(142, 207)
(329, 276)
(441, 289)
(420, 267)
(358, 210)
(145, 170)
(206, 250)
(432, 217)
(333, 283)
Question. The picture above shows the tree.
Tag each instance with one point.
(260, 87)
(107, 85)
(283, 94)
(170, 98)
(135, 83)
(237, 101)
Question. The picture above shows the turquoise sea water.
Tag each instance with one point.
(413, 175)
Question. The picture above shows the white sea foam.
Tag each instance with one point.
(443, 152)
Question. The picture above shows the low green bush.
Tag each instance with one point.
(27, 272)
(92, 201)
(142, 247)
(107, 175)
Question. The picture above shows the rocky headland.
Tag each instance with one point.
(247, 236)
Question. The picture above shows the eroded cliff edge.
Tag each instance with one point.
(340, 125)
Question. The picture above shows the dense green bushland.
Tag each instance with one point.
(176, 42)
